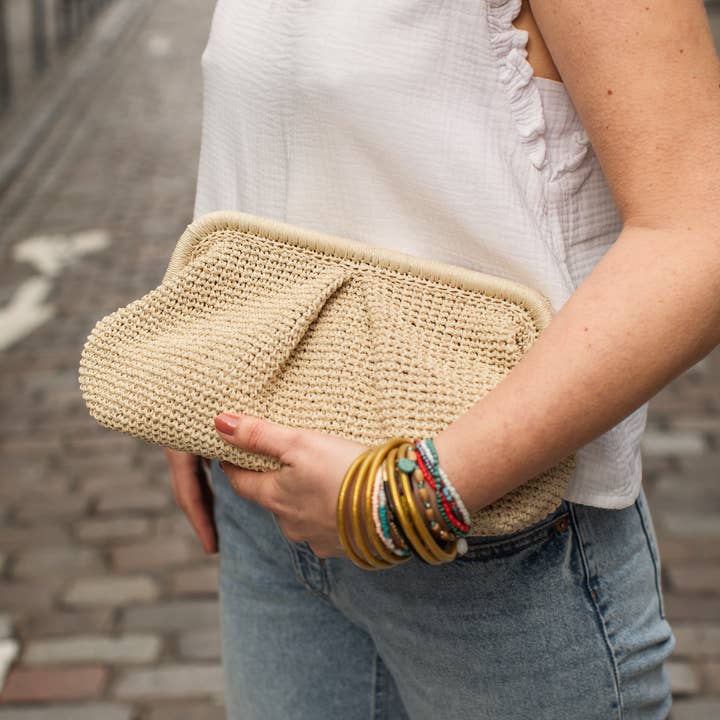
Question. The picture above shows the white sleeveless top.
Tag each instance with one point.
(417, 126)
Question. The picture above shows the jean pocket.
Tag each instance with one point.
(487, 547)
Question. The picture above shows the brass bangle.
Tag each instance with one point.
(356, 519)
(380, 548)
(419, 524)
(403, 517)
(356, 531)
(430, 542)
(355, 522)
(345, 487)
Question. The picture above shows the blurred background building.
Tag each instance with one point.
(107, 603)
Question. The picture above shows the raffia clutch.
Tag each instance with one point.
(312, 330)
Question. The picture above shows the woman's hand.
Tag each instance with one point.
(303, 493)
(193, 495)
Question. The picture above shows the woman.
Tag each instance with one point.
(572, 148)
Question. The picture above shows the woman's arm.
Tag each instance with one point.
(645, 80)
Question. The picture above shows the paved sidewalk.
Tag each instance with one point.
(681, 458)
(103, 587)
(106, 589)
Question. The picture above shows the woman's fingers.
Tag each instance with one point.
(193, 495)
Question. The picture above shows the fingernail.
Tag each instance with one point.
(226, 423)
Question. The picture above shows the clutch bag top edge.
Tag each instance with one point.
(437, 271)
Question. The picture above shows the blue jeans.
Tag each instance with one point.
(563, 620)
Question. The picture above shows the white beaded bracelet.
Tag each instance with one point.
(429, 460)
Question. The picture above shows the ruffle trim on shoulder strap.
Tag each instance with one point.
(574, 160)
(509, 47)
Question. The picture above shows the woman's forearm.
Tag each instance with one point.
(648, 311)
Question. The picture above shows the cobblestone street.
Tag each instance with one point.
(107, 601)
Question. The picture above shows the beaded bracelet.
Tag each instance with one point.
(402, 507)
(393, 521)
(382, 513)
(443, 507)
(429, 470)
(430, 445)
(374, 466)
(423, 497)
(436, 552)
(380, 516)
(457, 503)
(437, 482)
(435, 526)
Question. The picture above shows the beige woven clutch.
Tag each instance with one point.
(312, 330)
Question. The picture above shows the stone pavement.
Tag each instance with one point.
(105, 595)
(681, 460)
(111, 599)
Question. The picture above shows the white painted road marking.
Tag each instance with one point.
(48, 254)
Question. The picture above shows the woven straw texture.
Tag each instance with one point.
(317, 331)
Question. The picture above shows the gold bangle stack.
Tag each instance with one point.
(356, 528)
